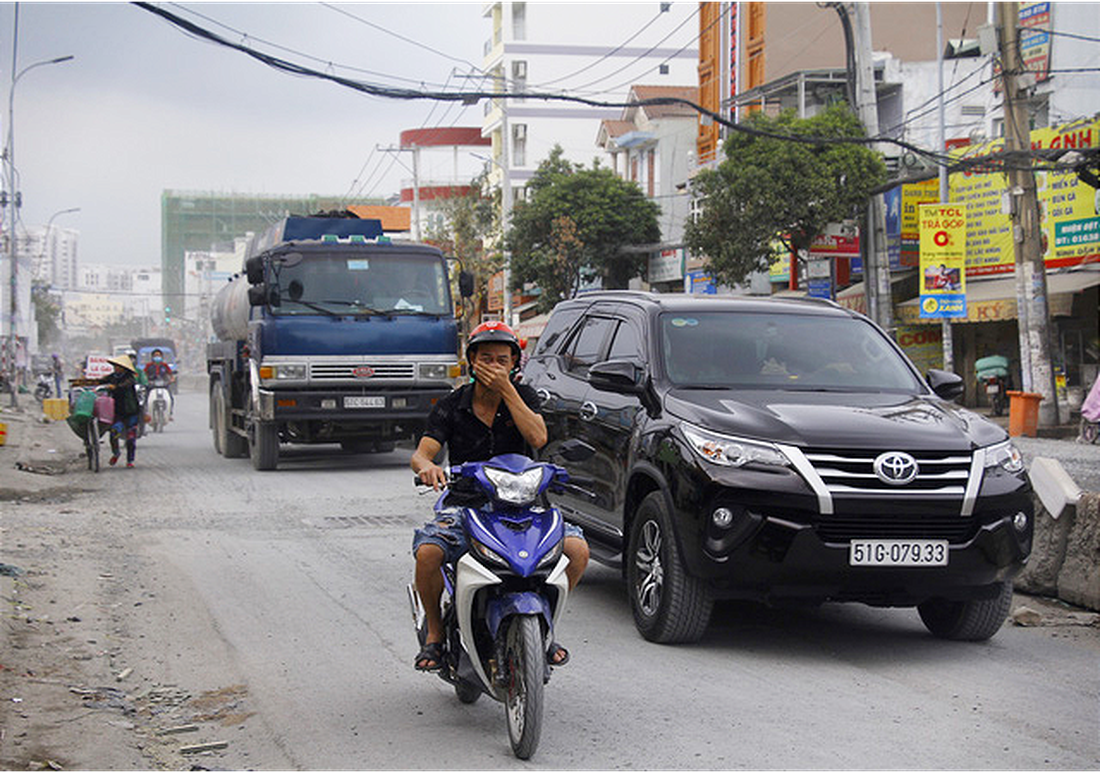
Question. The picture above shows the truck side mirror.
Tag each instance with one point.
(465, 284)
(261, 294)
(254, 269)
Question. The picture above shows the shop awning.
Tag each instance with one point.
(533, 327)
(995, 299)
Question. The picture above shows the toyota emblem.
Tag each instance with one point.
(896, 468)
(363, 371)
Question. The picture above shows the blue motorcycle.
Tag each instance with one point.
(505, 595)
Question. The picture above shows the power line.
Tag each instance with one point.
(473, 97)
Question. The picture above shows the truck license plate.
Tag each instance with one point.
(365, 402)
(898, 552)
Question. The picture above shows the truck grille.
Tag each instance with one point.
(345, 372)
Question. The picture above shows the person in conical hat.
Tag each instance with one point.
(127, 408)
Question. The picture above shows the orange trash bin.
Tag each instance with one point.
(1023, 413)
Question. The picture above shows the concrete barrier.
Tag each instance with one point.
(1065, 554)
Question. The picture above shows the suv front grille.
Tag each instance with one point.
(852, 474)
(845, 527)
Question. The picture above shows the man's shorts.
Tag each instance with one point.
(447, 531)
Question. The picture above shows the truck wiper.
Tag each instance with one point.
(357, 307)
(315, 307)
(413, 313)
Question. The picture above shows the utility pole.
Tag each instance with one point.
(876, 269)
(945, 322)
(506, 207)
(1033, 315)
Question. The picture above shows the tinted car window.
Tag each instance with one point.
(788, 351)
(627, 344)
(587, 345)
(559, 324)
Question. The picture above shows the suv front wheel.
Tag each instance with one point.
(669, 605)
(967, 620)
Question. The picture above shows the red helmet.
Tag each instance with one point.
(492, 332)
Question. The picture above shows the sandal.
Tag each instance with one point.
(555, 649)
(432, 652)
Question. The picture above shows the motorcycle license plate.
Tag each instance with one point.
(898, 552)
(992, 389)
(372, 401)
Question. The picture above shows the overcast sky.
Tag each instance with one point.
(144, 107)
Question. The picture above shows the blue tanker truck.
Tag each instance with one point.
(333, 333)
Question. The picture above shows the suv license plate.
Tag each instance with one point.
(365, 402)
(898, 552)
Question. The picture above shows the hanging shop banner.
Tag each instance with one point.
(1069, 209)
(912, 196)
(780, 269)
(942, 260)
(666, 266)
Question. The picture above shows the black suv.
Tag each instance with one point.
(778, 450)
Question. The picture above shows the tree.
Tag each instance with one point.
(770, 189)
(47, 314)
(573, 227)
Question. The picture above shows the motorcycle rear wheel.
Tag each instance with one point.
(525, 661)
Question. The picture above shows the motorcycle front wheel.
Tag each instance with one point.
(525, 662)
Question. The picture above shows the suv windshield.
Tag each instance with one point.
(339, 283)
(741, 350)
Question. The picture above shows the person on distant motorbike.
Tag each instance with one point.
(127, 409)
(156, 369)
(492, 415)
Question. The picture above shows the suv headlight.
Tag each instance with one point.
(732, 451)
(1006, 455)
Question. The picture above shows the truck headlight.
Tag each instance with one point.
(732, 451)
(1006, 455)
(297, 372)
(437, 371)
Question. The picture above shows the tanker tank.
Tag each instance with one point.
(229, 313)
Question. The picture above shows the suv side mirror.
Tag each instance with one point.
(623, 376)
(946, 384)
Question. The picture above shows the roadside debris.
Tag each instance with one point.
(1026, 617)
(7, 570)
(204, 747)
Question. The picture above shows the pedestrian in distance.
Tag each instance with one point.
(127, 408)
(56, 371)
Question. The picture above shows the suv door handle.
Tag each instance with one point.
(543, 393)
(588, 410)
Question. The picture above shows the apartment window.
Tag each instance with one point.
(519, 21)
(519, 144)
(519, 77)
(651, 172)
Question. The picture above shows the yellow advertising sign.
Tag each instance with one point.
(943, 246)
(1069, 209)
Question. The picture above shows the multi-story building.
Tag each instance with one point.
(193, 220)
(54, 254)
(654, 146)
(205, 273)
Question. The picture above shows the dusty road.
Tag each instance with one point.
(193, 601)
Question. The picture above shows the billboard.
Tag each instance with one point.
(942, 261)
(1069, 209)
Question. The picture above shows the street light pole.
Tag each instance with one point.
(14, 202)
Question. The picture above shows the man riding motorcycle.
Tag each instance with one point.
(157, 369)
(490, 416)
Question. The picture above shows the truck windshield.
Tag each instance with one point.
(341, 283)
(739, 350)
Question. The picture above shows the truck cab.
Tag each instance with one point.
(334, 334)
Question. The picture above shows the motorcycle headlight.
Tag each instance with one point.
(515, 488)
(552, 557)
(1005, 455)
(487, 554)
(732, 451)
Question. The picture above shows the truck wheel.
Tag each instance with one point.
(967, 620)
(227, 442)
(263, 444)
(669, 605)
